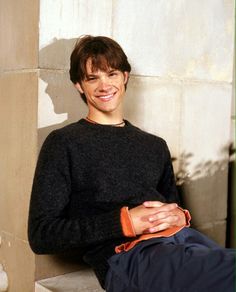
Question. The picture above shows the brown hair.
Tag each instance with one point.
(104, 53)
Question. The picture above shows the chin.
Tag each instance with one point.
(109, 108)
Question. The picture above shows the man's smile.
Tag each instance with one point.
(107, 97)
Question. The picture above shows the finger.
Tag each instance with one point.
(167, 223)
(158, 216)
(166, 207)
(151, 204)
(159, 227)
(163, 217)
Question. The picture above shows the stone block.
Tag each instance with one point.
(18, 262)
(204, 153)
(215, 230)
(186, 39)
(40, 288)
(154, 105)
(18, 138)
(206, 117)
(206, 197)
(81, 281)
(47, 266)
(62, 21)
(19, 34)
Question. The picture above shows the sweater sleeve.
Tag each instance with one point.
(166, 185)
(49, 228)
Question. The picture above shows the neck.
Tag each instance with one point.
(105, 119)
(120, 124)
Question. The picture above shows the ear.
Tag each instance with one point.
(126, 77)
(78, 87)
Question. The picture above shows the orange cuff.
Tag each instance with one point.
(126, 222)
(187, 216)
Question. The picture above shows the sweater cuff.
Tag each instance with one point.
(126, 222)
(187, 216)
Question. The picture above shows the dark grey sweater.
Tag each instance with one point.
(85, 174)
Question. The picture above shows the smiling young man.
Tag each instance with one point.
(104, 91)
(107, 187)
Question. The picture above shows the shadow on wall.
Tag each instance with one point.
(59, 102)
(206, 193)
(205, 168)
(57, 54)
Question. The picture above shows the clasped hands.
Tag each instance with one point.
(154, 216)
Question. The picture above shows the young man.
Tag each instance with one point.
(107, 187)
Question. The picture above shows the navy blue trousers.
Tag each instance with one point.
(185, 262)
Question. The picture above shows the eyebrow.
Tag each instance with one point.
(91, 75)
(95, 74)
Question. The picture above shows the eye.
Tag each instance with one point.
(113, 74)
(91, 78)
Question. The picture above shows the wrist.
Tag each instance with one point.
(126, 222)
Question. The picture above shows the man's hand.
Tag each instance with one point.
(154, 216)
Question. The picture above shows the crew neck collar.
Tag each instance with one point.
(83, 121)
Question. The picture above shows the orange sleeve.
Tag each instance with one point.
(129, 230)
(187, 216)
(126, 222)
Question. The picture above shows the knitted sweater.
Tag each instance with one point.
(85, 174)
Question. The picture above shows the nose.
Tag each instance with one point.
(104, 84)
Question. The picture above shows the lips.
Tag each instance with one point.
(106, 97)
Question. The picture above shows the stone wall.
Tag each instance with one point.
(181, 88)
(18, 136)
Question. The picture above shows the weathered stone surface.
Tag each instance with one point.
(82, 281)
(154, 105)
(206, 114)
(18, 262)
(19, 34)
(186, 39)
(18, 140)
(68, 20)
(206, 198)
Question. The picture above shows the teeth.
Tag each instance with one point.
(106, 96)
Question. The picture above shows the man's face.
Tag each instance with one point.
(104, 90)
